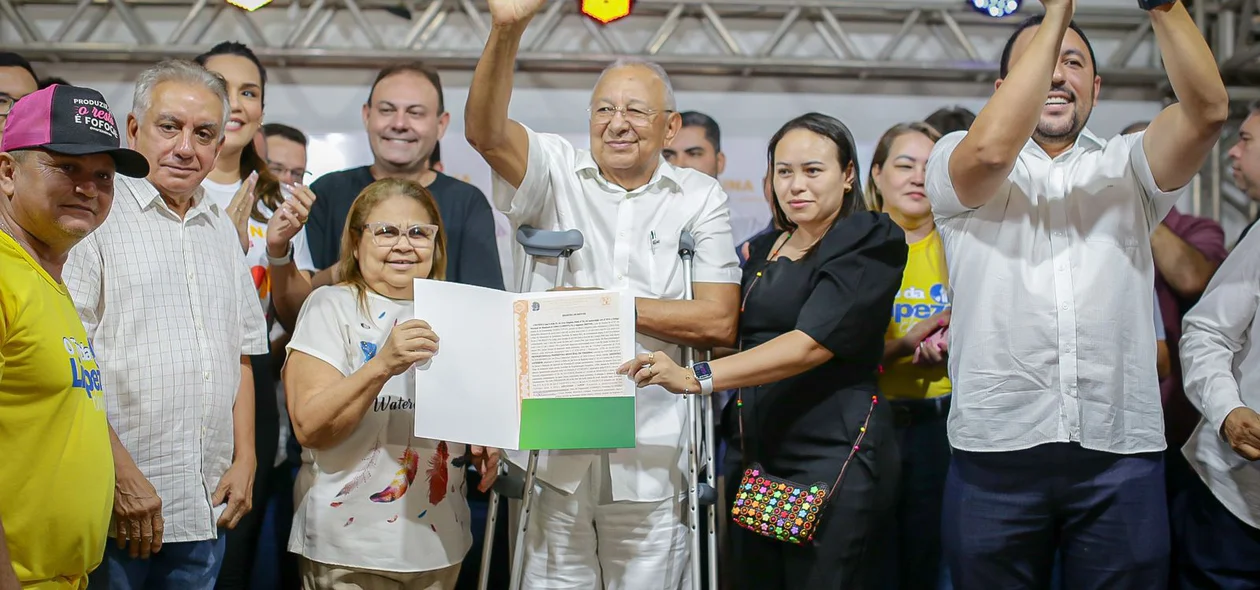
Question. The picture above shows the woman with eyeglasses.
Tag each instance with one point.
(812, 459)
(379, 507)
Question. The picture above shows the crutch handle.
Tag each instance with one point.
(510, 485)
(686, 245)
(705, 493)
(548, 244)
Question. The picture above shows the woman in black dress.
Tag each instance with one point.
(816, 299)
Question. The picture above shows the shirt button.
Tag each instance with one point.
(1065, 306)
(190, 276)
(620, 277)
(206, 375)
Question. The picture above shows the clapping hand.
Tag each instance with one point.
(287, 221)
(241, 207)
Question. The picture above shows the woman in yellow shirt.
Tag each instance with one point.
(914, 376)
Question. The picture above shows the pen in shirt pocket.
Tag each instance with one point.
(653, 240)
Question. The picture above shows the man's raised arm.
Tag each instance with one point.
(984, 158)
(501, 141)
(1180, 137)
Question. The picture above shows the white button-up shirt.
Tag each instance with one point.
(1051, 337)
(170, 308)
(631, 244)
(1221, 368)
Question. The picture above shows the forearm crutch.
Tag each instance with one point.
(546, 244)
(700, 456)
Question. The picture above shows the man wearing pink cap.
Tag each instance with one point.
(58, 157)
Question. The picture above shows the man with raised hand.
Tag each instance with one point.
(1056, 423)
(613, 518)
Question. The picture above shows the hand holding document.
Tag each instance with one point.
(526, 370)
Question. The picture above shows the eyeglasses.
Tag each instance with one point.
(294, 173)
(6, 104)
(639, 117)
(386, 235)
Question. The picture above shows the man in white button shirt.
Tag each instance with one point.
(1056, 423)
(1217, 521)
(612, 519)
(172, 314)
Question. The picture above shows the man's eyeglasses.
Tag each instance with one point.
(637, 116)
(295, 174)
(6, 104)
(386, 235)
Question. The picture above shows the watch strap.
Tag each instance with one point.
(286, 259)
(706, 382)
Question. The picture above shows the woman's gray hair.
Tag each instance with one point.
(651, 65)
(182, 71)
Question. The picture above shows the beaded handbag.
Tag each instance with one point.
(782, 509)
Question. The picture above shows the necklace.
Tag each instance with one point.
(773, 256)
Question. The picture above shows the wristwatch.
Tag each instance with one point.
(705, 376)
(287, 258)
(1152, 4)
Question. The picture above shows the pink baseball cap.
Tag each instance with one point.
(69, 120)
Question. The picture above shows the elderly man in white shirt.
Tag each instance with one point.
(172, 314)
(1056, 424)
(613, 519)
(1216, 523)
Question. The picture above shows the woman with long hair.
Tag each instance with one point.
(812, 458)
(915, 378)
(242, 184)
(379, 506)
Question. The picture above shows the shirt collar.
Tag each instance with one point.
(1086, 141)
(665, 175)
(147, 195)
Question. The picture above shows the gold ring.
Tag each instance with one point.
(651, 355)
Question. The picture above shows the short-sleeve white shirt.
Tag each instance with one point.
(382, 499)
(1051, 337)
(631, 243)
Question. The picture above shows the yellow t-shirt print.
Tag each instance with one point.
(57, 475)
(924, 293)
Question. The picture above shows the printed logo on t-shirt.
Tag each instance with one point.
(915, 304)
(368, 349)
(84, 374)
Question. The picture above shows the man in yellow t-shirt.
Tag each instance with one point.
(58, 157)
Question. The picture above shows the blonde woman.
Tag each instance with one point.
(378, 507)
(915, 378)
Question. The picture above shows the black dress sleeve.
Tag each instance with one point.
(860, 265)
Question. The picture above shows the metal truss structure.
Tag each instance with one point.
(932, 40)
(921, 40)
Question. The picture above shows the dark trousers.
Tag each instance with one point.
(242, 542)
(1006, 514)
(914, 554)
(1215, 550)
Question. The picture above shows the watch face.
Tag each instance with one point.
(702, 371)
